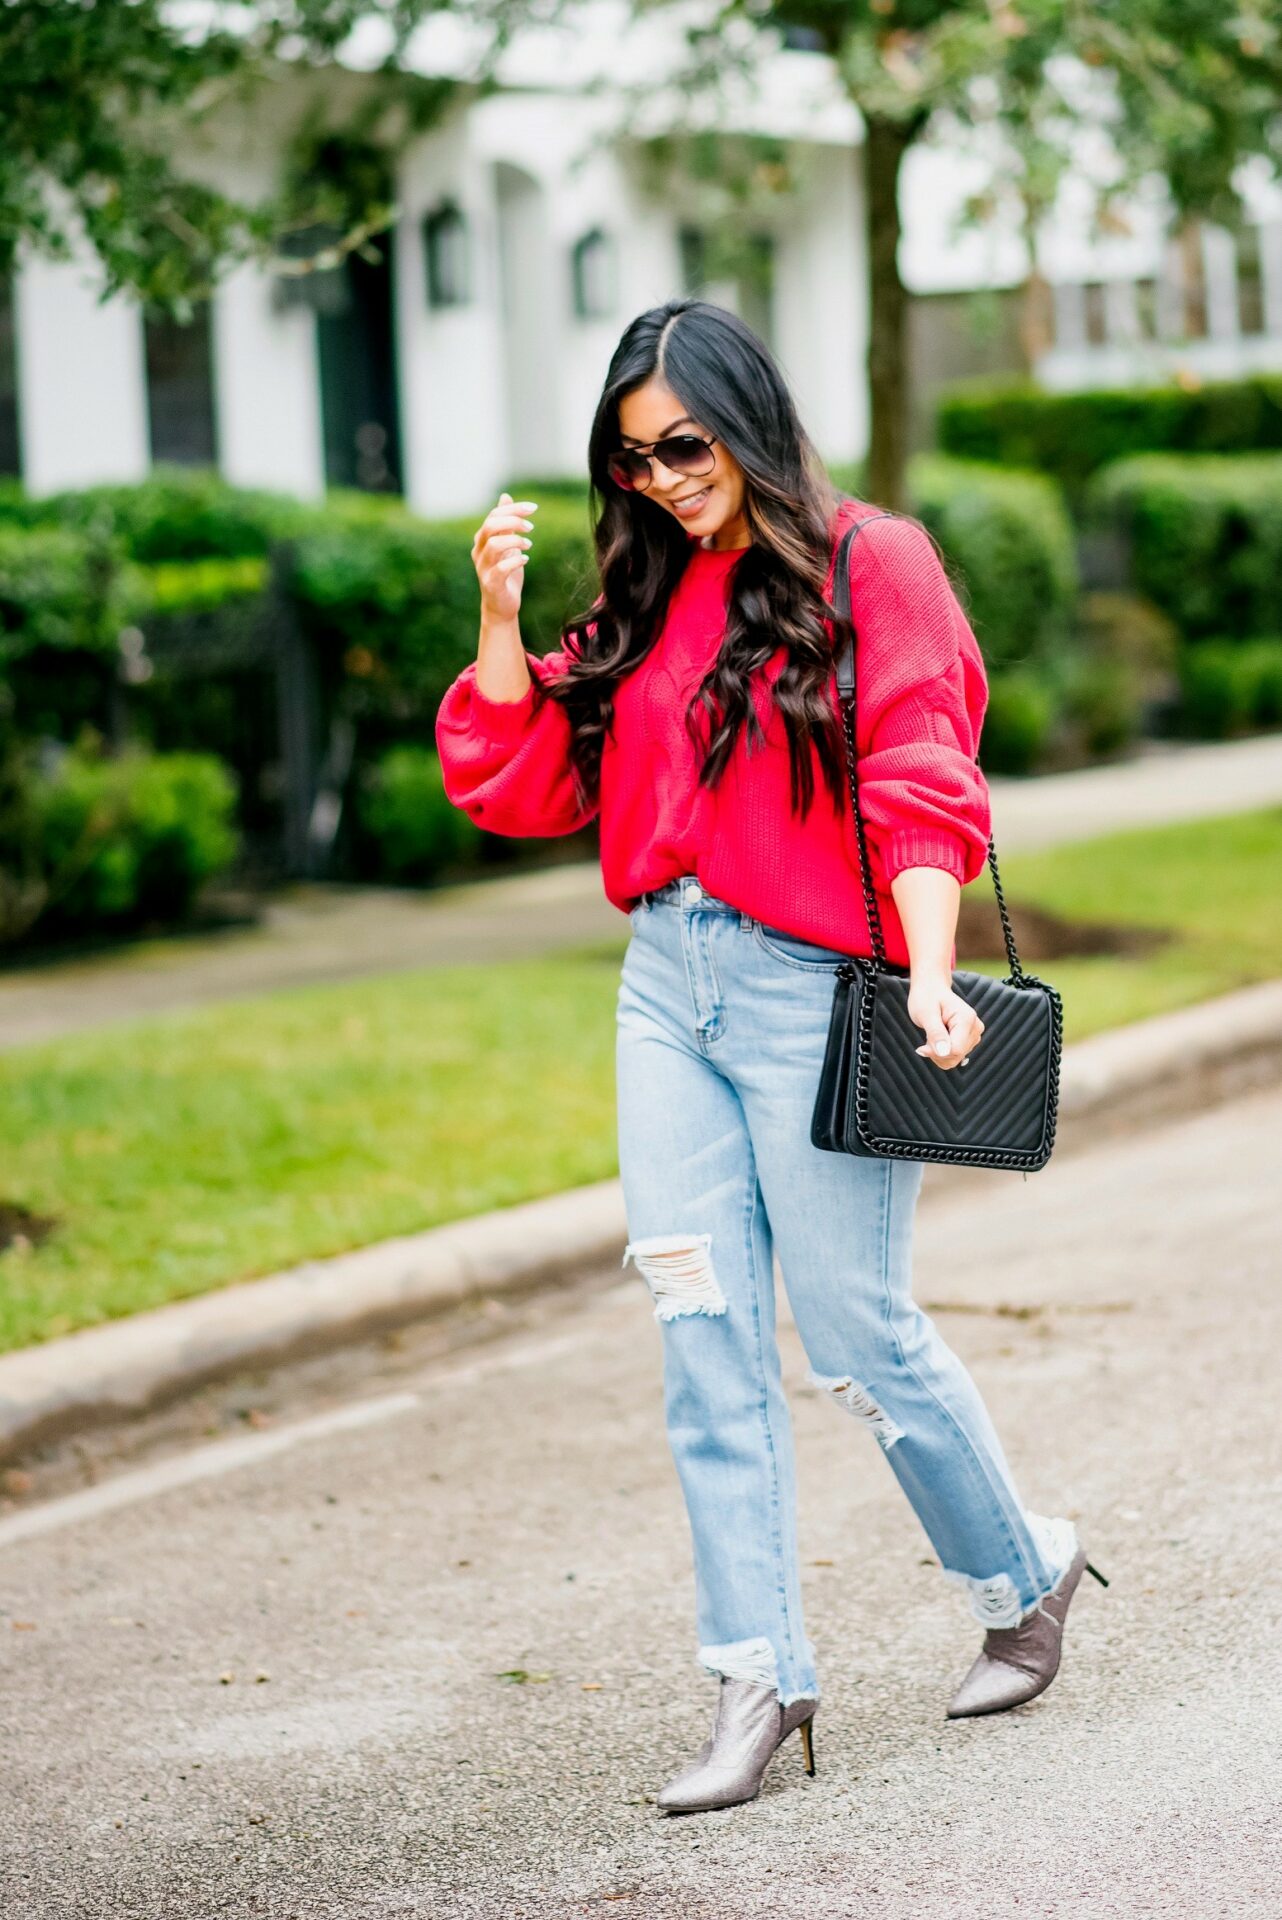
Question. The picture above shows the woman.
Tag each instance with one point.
(693, 709)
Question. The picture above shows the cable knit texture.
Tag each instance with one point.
(920, 705)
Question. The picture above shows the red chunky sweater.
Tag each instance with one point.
(921, 699)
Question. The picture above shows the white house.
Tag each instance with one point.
(524, 242)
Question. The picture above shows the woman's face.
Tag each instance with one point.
(708, 505)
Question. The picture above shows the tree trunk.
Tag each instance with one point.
(885, 144)
(1036, 318)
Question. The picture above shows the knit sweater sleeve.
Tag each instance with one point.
(921, 698)
(506, 763)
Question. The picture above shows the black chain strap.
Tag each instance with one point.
(841, 601)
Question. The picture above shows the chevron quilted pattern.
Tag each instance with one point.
(1001, 1103)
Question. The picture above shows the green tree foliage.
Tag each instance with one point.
(96, 93)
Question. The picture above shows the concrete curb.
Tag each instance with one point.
(1155, 1068)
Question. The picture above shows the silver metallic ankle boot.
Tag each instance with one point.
(1017, 1663)
(750, 1724)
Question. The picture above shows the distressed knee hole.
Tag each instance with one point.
(677, 1268)
(857, 1401)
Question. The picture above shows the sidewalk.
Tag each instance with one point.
(316, 934)
(1166, 785)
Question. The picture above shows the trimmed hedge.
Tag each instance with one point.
(394, 604)
(182, 587)
(413, 830)
(112, 843)
(1023, 707)
(1071, 435)
(1230, 686)
(62, 605)
(59, 591)
(1205, 535)
(180, 514)
(1009, 539)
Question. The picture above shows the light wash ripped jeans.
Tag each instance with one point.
(722, 1023)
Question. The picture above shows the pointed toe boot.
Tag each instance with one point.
(1017, 1663)
(750, 1724)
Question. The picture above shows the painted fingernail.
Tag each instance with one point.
(942, 1047)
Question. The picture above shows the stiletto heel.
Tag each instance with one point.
(806, 1730)
(1098, 1575)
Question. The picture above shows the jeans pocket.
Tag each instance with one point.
(793, 951)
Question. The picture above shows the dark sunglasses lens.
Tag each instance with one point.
(685, 453)
(629, 470)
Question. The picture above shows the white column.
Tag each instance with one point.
(1121, 313)
(266, 388)
(534, 300)
(1219, 266)
(449, 361)
(1171, 322)
(1271, 274)
(82, 385)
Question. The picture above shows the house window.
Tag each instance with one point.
(1146, 308)
(448, 251)
(322, 289)
(1096, 310)
(593, 267)
(1250, 282)
(180, 388)
(10, 457)
(746, 285)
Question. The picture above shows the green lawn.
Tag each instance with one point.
(1217, 884)
(188, 1150)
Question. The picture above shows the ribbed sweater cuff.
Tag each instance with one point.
(503, 720)
(924, 847)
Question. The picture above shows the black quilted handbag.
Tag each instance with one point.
(877, 1095)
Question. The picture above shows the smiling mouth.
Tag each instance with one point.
(691, 499)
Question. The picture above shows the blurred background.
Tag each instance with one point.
(290, 292)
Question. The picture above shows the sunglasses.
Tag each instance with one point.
(686, 453)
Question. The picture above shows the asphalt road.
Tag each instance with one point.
(261, 1674)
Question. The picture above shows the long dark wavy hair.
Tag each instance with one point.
(726, 379)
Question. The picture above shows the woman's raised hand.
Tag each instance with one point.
(499, 553)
